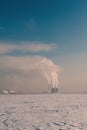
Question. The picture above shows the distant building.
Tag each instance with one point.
(54, 90)
(5, 92)
(8, 92)
(11, 92)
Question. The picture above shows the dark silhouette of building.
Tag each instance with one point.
(54, 90)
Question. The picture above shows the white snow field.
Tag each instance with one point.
(43, 112)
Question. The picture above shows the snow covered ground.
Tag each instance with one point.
(43, 112)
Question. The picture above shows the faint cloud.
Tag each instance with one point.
(27, 63)
(2, 28)
(26, 47)
(31, 25)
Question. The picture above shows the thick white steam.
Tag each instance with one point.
(50, 72)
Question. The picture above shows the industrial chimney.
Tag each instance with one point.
(54, 90)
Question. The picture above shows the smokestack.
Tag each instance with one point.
(54, 90)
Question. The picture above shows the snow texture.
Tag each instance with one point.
(43, 112)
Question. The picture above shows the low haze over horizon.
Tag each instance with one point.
(43, 43)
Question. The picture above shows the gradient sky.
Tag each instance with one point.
(55, 29)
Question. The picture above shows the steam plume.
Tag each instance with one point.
(50, 72)
(27, 64)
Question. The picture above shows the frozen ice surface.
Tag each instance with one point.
(43, 112)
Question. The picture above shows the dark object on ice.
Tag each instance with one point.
(54, 90)
(37, 129)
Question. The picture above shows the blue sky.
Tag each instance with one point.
(59, 23)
